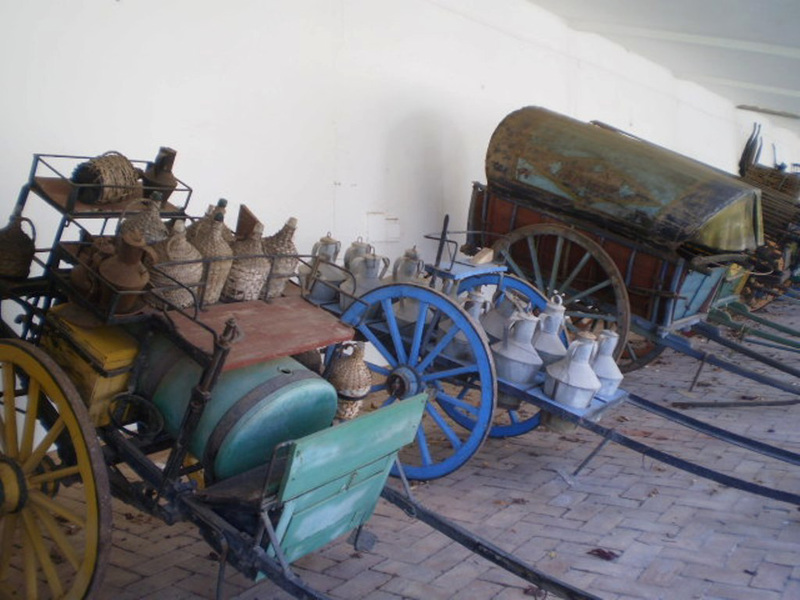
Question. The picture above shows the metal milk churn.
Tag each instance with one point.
(515, 358)
(408, 269)
(500, 316)
(475, 305)
(555, 307)
(572, 381)
(357, 248)
(328, 278)
(604, 365)
(547, 340)
(368, 270)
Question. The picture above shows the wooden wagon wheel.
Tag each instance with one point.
(421, 341)
(560, 260)
(55, 511)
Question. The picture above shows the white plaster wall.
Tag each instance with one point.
(328, 110)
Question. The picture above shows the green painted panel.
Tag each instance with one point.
(332, 453)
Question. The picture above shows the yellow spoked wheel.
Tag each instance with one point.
(55, 505)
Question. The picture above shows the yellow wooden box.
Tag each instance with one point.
(111, 349)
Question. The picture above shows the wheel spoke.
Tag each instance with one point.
(367, 333)
(37, 541)
(455, 441)
(419, 327)
(60, 539)
(439, 348)
(380, 370)
(424, 450)
(10, 410)
(36, 456)
(564, 285)
(6, 543)
(537, 270)
(51, 505)
(588, 292)
(551, 287)
(29, 562)
(55, 475)
(458, 403)
(31, 414)
(448, 373)
(394, 330)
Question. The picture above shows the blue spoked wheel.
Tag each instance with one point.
(434, 347)
(510, 418)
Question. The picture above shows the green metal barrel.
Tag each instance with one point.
(251, 410)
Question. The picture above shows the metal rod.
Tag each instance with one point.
(592, 454)
(485, 548)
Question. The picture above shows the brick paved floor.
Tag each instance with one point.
(676, 536)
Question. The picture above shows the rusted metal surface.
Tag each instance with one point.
(645, 193)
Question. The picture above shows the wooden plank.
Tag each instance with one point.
(282, 327)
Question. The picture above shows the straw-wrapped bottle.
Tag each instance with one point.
(213, 248)
(352, 379)
(280, 246)
(201, 227)
(188, 273)
(247, 274)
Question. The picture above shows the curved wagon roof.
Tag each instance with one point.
(596, 175)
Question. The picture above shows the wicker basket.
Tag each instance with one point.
(777, 179)
(284, 262)
(111, 176)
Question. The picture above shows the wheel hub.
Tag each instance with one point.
(404, 382)
(13, 490)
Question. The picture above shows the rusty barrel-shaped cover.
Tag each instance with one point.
(594, 175)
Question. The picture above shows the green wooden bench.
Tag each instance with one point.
(333, 478)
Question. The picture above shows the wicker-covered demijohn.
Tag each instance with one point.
(351, 377)
(187, 270)
(249, 269)
(213, 248)
(280, 247)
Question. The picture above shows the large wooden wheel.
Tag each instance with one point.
(560, 260)
(55, 505)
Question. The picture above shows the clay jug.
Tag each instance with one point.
(572, 381)
(147, 221)
(16, 247)
(158, 175)
(280, 248)
(124, 274)
(604, 365)
(167, 279)
(357, 248)
(247, 274)
(214, 247)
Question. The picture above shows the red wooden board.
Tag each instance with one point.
(282, 327)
